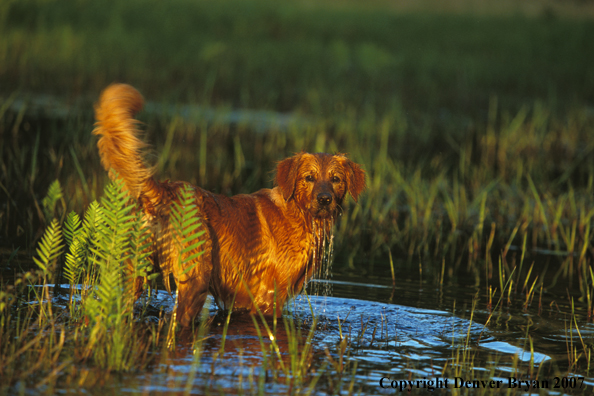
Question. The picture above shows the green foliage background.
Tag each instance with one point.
(467, 122)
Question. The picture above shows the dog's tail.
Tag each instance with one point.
(120, 145)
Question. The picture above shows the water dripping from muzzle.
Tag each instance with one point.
(321, 258)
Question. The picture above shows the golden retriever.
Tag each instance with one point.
(259, 248)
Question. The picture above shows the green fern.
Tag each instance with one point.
(108, 308)
(80, 239)
(108, 236)
(139, 252)
(49, 248)
(184, 219)
(54, 194)
(113, 245)
(93, 217)
(72, 236)
(71, 226)
(74, 262)
(113, 231)
(140, 243)
(91, 222)
(104, 309)
(110, 335)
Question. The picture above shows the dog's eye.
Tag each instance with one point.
(335, 179)
(310, 178)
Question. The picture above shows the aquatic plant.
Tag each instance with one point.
(185, 219)
(477, 148)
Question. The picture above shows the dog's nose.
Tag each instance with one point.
(324, 199)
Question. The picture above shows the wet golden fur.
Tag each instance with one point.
(265, 239)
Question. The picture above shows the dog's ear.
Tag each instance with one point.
(355, 179)
(286, 175)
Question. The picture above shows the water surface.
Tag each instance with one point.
(408, 335)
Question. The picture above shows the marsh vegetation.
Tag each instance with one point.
(470, 254)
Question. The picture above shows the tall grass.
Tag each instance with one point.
(474, 131)
(469, 127)
(523, 177)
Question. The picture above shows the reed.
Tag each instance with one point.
(478, 154)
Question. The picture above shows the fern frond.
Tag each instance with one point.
(108, 292)
(54, 194)
(140, 248)
(93, 217)
(113, 231)
(75, 260)
(110, 235)
(90, 223)
(185, 220)
(71, 226)
(111, 244)
(50, 247)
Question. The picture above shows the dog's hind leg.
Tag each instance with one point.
(191, 269)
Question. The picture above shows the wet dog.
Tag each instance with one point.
(258, 249)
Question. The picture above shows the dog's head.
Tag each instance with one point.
(319, 182)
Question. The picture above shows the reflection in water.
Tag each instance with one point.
(425, 333)
(414, 341)
(525, 356)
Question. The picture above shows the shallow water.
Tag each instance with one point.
(404, 333)
(409, 332)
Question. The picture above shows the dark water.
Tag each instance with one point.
(410, 332)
